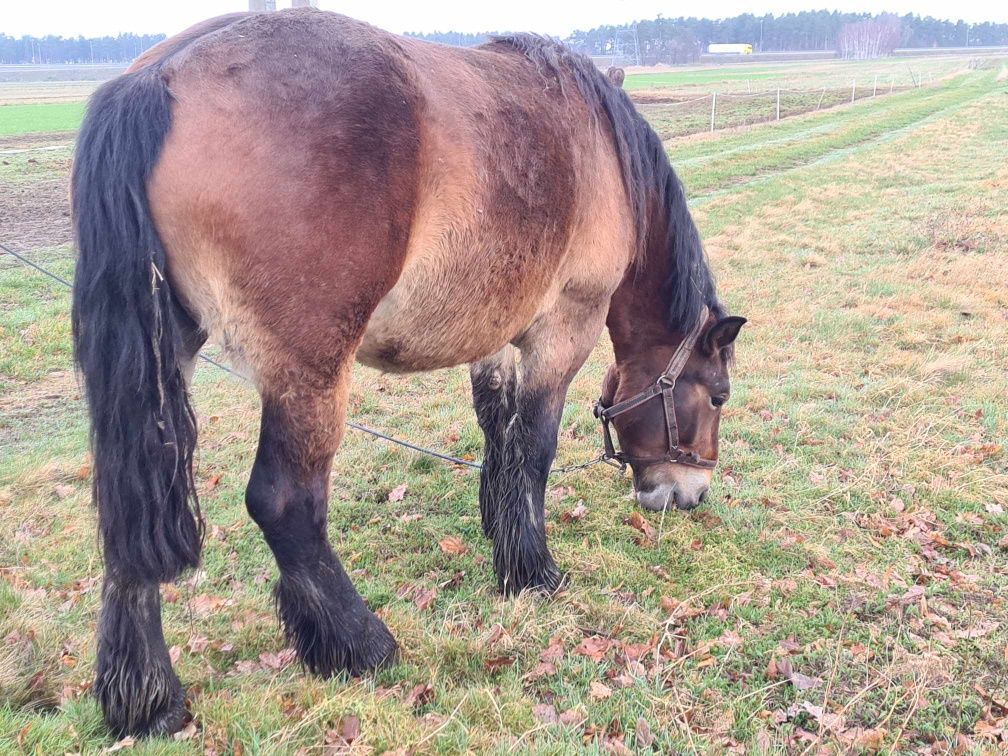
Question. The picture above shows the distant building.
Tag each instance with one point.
(732, 49)
(304, 4)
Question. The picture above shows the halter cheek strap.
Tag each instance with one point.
(664, 387)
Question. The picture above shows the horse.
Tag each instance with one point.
(616, 75)
(308, 191)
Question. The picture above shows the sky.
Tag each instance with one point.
(99, 17)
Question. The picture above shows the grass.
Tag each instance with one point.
(806, 74)
(38, 118)
(844, 587)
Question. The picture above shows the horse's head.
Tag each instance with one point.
(665, 406)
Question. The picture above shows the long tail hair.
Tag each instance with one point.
(127, 341)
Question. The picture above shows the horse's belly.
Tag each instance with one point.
(440, 316)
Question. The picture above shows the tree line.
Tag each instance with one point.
(682, 40)
(659, 40)
(52, 49)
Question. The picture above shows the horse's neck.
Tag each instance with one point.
(638, 313)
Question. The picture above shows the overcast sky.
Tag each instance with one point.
(98, 17)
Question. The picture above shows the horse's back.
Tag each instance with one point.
(319, 168)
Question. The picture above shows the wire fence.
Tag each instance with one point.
(599, 459)
(672, 117)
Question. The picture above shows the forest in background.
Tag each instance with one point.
(659, 40)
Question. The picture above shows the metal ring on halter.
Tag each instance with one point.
(664, 387)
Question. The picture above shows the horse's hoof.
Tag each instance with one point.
(546, 579)
(124, 718)
(379, 649)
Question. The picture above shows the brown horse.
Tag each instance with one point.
(306, 190)
(616, 75)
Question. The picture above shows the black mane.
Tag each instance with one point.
(647, 176)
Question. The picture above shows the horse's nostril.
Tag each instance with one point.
(703, 495)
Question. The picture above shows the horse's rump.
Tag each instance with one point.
(462, 189)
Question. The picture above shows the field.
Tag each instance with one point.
(842, 590)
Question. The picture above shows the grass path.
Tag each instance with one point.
(843, 588)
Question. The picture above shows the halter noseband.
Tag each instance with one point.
(663, 387)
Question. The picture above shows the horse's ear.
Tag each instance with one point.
(723, 333)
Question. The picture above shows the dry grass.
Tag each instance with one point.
(843, 590)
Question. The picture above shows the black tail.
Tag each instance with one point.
(127, 340)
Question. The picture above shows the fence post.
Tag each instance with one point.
(819, 104)
(874, 88)
(891, 82)
(748, 86)
(713, 104)
(853, 89)
(778, 103)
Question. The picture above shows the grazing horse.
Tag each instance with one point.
(616, 75)
(306, 191)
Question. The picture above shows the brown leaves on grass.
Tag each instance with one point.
(419, 695)
(594, 647)
(598, 691)
(648, 535)
(268, 662)
(452, 545)
(397, 493)
(421, 597)
(340, 738)
(781, 669)
(575, 514)
(498, 663)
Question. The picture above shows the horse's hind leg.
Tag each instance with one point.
(324, 617)
(134, 682)
(493, 388)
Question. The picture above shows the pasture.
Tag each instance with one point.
(843, 588)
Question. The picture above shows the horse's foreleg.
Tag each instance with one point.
(493, 388)
(513, 481)
(324, 617)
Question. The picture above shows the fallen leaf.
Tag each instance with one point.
(452, 545)
(594, 647)
(638, 522)
(804, 682)
(397, 493)
(348, 728)
(121, 745)
(424, 598)
(994, 508)
(571, 716)
(642, 733)
(211, 483)
(278, 660)
(498, 663)
(174, 653)
(62, 491)
(542, 669)
(545, 713)
(730, 639)
(577, 513)
(419, 695)
(186, 733)
(599, 691)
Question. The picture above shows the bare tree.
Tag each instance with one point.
(870, 38)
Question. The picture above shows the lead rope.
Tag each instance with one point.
(600, 459)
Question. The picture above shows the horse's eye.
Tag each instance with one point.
(717, 401)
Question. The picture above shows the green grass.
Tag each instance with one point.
(37, 118)
(860, 466)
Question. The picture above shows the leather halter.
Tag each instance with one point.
(663, 387)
